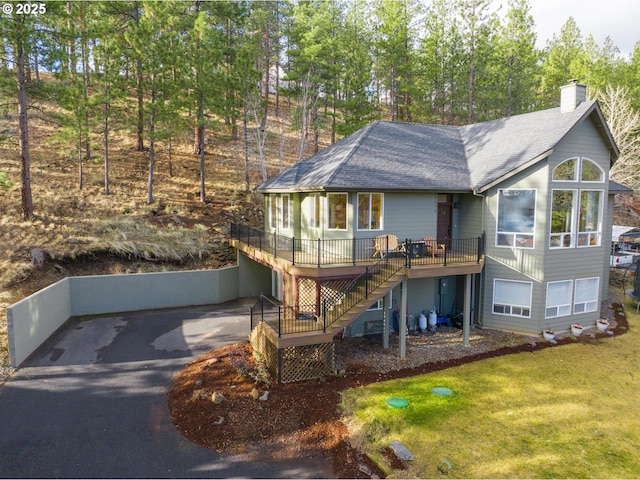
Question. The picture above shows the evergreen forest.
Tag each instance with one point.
(105, 104)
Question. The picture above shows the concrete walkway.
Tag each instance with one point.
(91, 402)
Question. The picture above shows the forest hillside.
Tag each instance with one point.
(86, 232)
(133, 133)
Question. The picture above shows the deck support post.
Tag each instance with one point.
(403, 319)
(386, 303)
(466, 319)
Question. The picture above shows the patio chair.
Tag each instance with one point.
(433, 247)
(386, 244)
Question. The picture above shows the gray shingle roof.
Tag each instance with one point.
(404, 156)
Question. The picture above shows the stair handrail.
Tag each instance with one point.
(375, 273)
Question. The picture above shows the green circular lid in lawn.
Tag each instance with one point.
(397, 402)
(441, 391)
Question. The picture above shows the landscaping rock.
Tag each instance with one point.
(255, 393)
(264, 396)
(220, 421)
(217, 397)
(37, 257)
(401, 451)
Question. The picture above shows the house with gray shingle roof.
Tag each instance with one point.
(503, 224)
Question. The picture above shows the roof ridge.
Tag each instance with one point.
(368, 129)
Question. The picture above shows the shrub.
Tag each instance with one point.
(5, 183)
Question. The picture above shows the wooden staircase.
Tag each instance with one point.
(346, 306)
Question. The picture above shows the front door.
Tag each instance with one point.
(444, 223)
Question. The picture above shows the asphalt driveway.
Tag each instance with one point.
(91, 402)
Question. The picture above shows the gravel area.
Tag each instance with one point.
(442, 345)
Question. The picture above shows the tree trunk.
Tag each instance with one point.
(247, 185)
(106, 121)
(139, 90)
(203, 193)
(170, 157)
(152, 143)
(80, 163)
(85, 96)
(140, 125)
(198, 134)
(267, 66)
(106, 139)
(23, 121)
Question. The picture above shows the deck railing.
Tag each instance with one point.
(320, 317)
(302, 251)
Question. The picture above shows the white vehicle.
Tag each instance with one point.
(625, 245)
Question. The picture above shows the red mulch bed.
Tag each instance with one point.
(299, 420)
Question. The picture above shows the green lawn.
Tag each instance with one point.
(566, 412)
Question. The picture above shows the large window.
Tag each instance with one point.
(590, 218)
(512, 298)
(337, 214)
(516, 218)
(285, 209)
(558, 299)
(314, 210)
(576, 211)
(273, 211)
(369, 211)
(562, 218)
(586, 295)
(576, 215)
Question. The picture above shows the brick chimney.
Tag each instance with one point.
(571, 96)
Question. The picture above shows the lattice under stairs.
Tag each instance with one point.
(310, 355)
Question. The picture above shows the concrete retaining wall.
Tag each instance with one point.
(32, 320)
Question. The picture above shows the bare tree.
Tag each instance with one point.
(308, 99)
(624, 123)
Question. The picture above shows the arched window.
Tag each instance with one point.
(591, 171)
(577, 213)
(566, 171)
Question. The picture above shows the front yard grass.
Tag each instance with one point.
(565, 412)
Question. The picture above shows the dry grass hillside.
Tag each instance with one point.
(87, 232)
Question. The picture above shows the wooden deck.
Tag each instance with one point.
(452, 263)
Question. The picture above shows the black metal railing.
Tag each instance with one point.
(357, 250)
(319, 317)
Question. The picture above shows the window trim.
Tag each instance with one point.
(577, 169)
(346, 213)
(273, 212)
(604, 174)
(557, 307)
(315, 211)
(512, 306)
(595, 301)
(573, 234)
(514, 235)
(369, 210)
(284, 216)
(598, 231)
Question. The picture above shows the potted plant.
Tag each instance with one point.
(576, 329)
(602, 324)
(548, 334)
